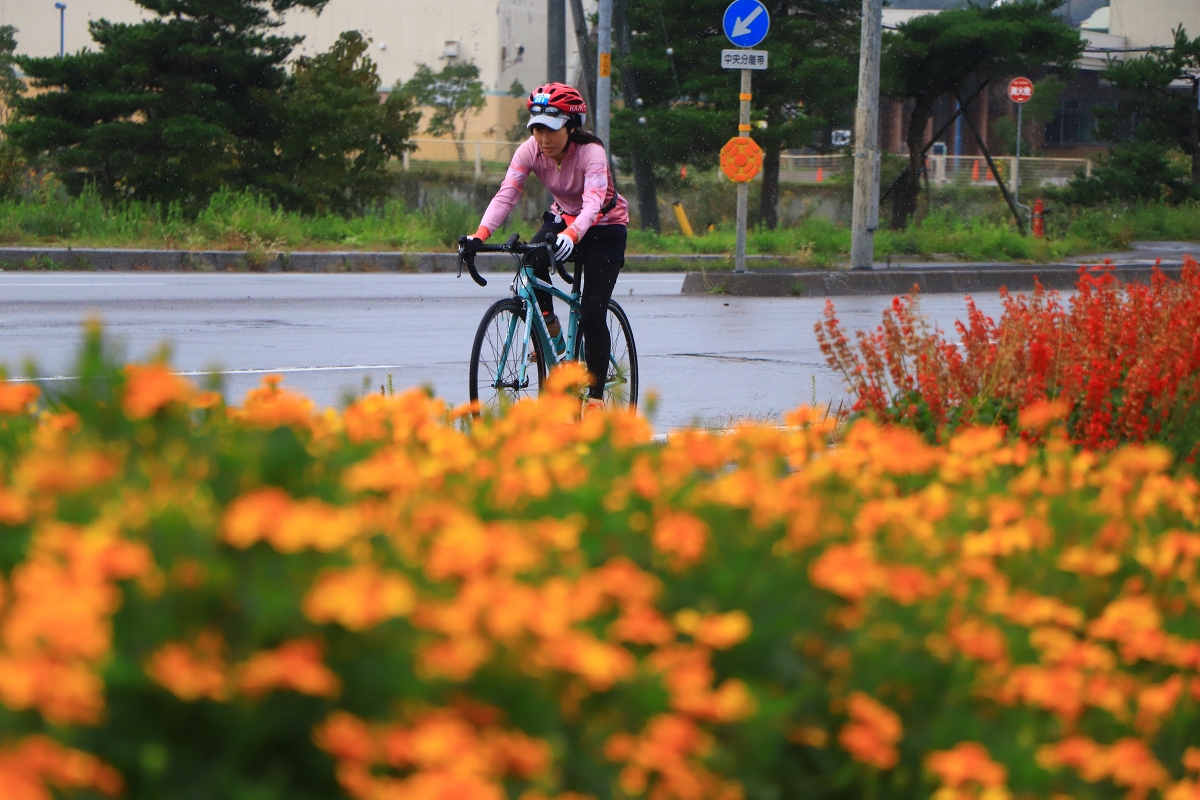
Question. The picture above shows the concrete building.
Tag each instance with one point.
(505, 38)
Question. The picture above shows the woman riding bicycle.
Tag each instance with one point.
(587, 218)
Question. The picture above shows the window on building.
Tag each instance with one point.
(1072, 124)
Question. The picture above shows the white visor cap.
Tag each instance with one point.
(553, 123)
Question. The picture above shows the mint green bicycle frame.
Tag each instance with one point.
(523, 286)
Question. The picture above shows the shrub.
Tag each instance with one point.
(270, 601)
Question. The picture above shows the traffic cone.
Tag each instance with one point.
(975, 171)
(820, 174)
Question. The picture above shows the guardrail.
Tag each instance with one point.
(478, 156)
(1034, 171)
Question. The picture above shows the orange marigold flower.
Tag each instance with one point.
(600, 664)
(15, 398)
(873, 732)
(50, 471)
(847, 570)
(979, 640)
(345, 737)
(1156, 702)
(907, 584)
(1134, 766)
(1040, 414)
(966, 762)
(1125, 618)
(359, 597)
(151, 387)
(295, 665)
(456, 658)
(681, 536)
(254, 516)
(14, 507)
(192, 672)
(568, 377)
(1184, 790)
(34, 763)
(269, 406)
(1191, 759)
(718, 631)
(1088, 561)
(642, 625)
(64, 692)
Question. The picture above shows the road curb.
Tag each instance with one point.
(956, 280)
(119, 260)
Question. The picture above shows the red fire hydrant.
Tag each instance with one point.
(1039, 219)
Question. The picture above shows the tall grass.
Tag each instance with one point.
(47, 215)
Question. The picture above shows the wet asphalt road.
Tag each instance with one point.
(710, 359)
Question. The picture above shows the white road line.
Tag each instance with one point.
(194, 373)
(107, 283)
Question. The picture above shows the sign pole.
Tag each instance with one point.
(865, 218)
(1020, 91)
(743, 189)
(1017, 163)
(604, 72)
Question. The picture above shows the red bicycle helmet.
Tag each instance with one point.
(554, 104)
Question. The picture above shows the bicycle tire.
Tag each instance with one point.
(621, 384)
(486, 352)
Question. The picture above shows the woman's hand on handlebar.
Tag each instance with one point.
(469, 244)
(563, 246)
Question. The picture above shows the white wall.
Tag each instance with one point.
(1145, 23)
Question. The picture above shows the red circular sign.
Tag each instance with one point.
(1020, 90)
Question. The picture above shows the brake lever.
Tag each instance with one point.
(466, 255)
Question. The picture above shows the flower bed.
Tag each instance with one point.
(268, 601)
(1124, 359)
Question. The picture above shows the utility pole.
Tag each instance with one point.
(556, 41)
(866, 139)
(604, 72)
(743, 188)
(62, 28)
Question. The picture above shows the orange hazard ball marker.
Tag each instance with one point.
(741, 159)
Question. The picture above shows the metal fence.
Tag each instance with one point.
(479, 157)
(470, 156)
(1033, 172)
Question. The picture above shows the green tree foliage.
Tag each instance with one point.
(455, 94)
(691, 105)
(11, 86)
(168, 110)
(1152, 112)
(954, 51)
(519, 130)
(336, 136)
(1128, 173)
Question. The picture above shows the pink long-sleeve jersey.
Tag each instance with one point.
(580, 186)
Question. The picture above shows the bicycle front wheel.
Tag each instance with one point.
(498, 355)
(621, 383)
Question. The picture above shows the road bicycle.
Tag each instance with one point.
(513, 350)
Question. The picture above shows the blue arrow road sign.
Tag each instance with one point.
(746, 22)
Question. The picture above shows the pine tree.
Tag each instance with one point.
(167, 110)
(938, 54)
(336, 136)
(1153, 104)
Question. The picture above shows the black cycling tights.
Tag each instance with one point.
(602, 251)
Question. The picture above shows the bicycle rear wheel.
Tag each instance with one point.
(621, 383)
(497, 356)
